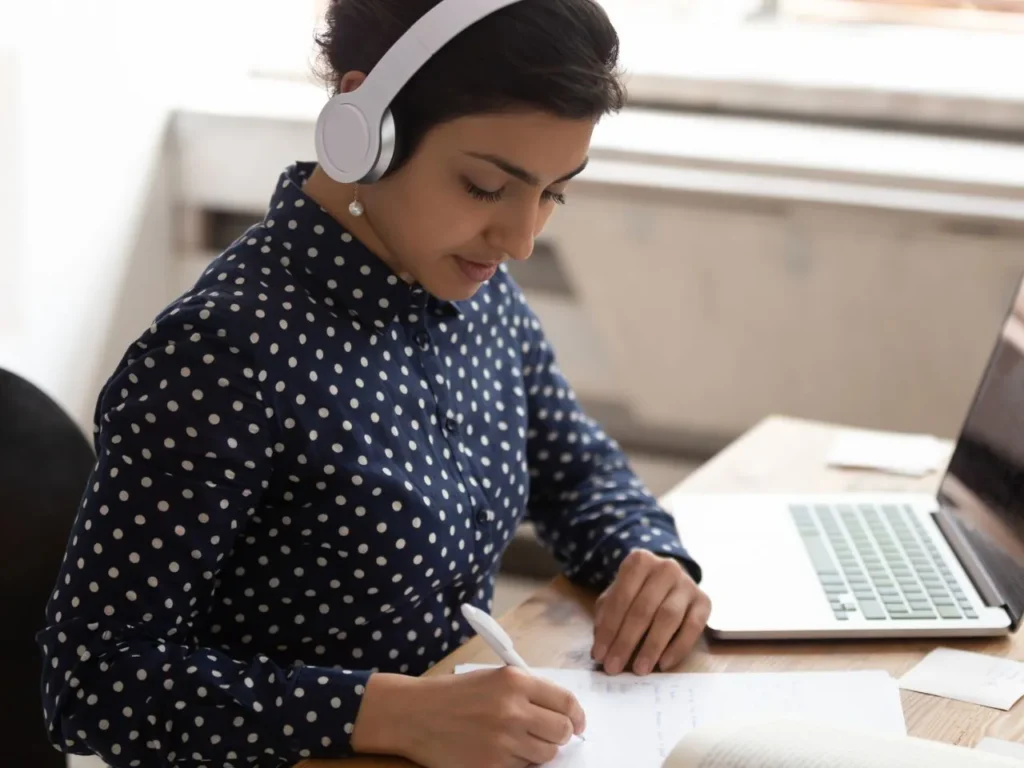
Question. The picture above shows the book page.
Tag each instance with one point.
(794, 744)
(637, 721)
(1001, 747)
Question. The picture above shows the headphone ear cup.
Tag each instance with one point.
(347, 142)
(388, 148)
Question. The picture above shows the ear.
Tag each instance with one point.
(350, 81)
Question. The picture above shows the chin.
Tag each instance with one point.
(456, 292)
(452, 285)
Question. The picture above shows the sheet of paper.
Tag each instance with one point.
(973, 677)
(637, 721)
(896, 453)
(1000, 747)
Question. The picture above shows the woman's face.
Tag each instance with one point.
(477, 192)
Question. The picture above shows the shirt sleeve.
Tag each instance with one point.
(183, 442)
(589, 507)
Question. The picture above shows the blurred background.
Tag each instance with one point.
(810, 207)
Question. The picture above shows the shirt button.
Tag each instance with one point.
(451, 425)
(423, 339)
(481, 516)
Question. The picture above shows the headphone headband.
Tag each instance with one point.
(355, 134)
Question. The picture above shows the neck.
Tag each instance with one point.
(335, 199)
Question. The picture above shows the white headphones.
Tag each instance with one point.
(355, 133)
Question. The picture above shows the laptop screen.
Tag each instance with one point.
(984, 485)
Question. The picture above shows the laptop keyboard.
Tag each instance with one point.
(885, 565)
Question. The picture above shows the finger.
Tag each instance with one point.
(506, 756)
(599, 606)
(693, 625)
(633, 571)
(666, 624)
(637, 621)
(617, 599)
(549, 726)
(559, 701)
(535, 751)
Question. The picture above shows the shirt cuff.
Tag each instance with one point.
(319, 713)
(601, 566)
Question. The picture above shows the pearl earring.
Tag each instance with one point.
(355, 207)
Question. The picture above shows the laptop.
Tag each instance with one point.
(887, 564)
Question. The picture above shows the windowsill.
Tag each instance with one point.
(922, 77)
(871, 164)
(919, 76)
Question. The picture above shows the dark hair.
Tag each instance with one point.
(555, 56)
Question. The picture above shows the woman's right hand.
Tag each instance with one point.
(490, 718)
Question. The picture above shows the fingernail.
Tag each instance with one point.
(611, 666)
(600, 650)
(643, 666)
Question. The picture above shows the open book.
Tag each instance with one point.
(791, 743)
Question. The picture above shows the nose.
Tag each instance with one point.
(514, 233)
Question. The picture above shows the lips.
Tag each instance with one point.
(476, 271)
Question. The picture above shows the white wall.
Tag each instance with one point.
(10, 177)
(10, 200)
(86, 114)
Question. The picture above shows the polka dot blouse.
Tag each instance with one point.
(305, 466)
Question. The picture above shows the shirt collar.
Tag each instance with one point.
(355, 278)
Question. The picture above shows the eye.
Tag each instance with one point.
(482, 194)
(492, 197)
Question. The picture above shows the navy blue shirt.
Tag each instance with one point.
(305, 466)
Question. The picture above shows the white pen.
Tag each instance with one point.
(496, 638)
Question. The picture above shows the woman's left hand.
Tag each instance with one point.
(653, 600)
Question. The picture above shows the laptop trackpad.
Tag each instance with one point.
(756, 569)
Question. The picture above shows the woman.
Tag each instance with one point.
(312, 459)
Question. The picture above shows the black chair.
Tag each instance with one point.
(45, 461)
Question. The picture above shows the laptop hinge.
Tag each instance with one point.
(968, 558)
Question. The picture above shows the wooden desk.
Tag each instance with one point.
(553, 628)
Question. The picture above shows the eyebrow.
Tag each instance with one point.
(520, 173)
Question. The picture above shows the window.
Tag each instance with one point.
(993, 15)
(285, 46)
(285, 49)
(845, 59)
